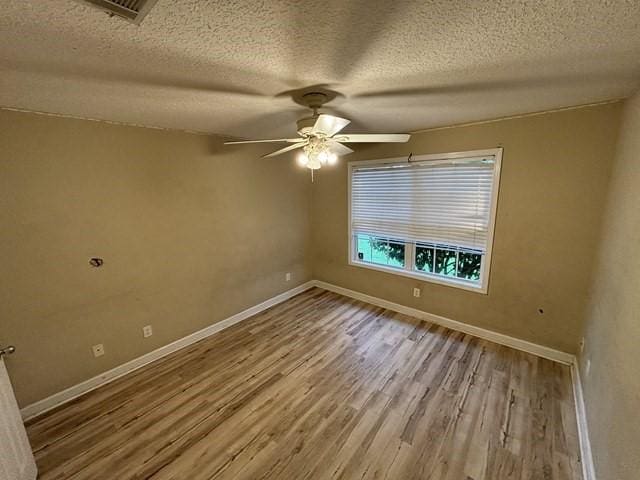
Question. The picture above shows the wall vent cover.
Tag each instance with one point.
(132, 10)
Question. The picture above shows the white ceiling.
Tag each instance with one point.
(219, 66)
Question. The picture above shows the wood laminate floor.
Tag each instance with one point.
(322, 387)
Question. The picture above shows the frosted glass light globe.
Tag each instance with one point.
(323, 157)
(303, 159)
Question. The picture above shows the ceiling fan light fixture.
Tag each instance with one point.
(316, 154)
(314, 162)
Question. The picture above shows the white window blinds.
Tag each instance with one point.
(445, 202)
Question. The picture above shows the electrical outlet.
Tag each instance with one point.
(147, 331)
(287, 277)
(582, 345)
(98, 350)
(587, 368)
(416, 292)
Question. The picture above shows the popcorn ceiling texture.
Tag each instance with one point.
(219, 66)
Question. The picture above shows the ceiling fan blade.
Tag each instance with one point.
(285, 149)
(275, 140)
(338, 148)
(373, 137)
(329, 125)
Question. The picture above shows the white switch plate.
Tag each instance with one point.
(587, 368)
(287, 277)
(98, 350)
(147, 331)
(582, 345)
(416, 292)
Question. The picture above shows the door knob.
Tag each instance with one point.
(7, 350)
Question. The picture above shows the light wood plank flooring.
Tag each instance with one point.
(322, 387)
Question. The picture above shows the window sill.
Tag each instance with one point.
(424, 277)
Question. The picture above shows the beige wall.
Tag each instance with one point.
(554, 177)
(190, 232)
(612, 331)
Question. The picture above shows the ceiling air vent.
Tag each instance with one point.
(132, 10)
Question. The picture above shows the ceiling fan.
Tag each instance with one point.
(320, 138)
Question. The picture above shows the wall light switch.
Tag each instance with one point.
(98, 350)
(582, 345)
(287, 277)
(147, 331)
(587, 368)
(416, 292)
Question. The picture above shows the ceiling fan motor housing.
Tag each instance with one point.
(306, 124)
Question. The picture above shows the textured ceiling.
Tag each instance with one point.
(220, 66)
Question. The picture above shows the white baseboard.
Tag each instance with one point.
(70, 393)
(518, 344)
(586, 457)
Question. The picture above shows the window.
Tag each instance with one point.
(429, 218)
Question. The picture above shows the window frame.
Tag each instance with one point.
(408, 271)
